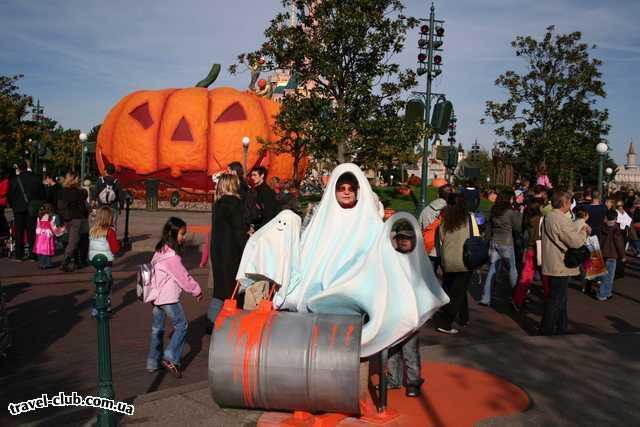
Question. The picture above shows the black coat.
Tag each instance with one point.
(33, 189)
(51, 194)
(268, 206)
(72, 203)
(228, 237)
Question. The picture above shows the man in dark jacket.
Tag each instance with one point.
(471, 195)
(597, 212)
(25, 192)
(108, 192)
(265, 197)
(51, 190)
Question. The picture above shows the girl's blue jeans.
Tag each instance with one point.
(606, 286)
(173, 352)
(45, 261)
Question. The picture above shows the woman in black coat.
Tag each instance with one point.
(228, 238)
(72, 207)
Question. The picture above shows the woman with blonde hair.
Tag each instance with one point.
(229, 236)
(73, 208)
(103, 241)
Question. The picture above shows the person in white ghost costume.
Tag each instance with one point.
(347, 264)
(340, 233)
(271, 254)
(398, 292)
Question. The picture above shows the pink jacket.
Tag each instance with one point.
(544, 181)
(171, 277)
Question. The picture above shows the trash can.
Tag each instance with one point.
(286, 361)
(151, 187)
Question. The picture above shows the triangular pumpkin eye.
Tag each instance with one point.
(233, 113)
(142, 115)
(182, 132)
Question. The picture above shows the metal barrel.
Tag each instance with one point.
(286, 361)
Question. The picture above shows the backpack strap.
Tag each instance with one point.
(544, 227)
(24, 193)
(472, 225)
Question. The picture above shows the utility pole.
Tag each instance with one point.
(430, 42)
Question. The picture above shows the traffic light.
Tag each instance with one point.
(452, 158)
(414, 111)
(474, 155)
(441, 116)
(41, 148)
(431, 41)
(452, 129)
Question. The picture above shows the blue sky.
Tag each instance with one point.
(80, 57)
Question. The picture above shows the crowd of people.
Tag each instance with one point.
(535, 233)
(52, 215)
(540, 232)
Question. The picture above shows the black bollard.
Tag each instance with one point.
(126, 242)
(151, 187)
(106, 418)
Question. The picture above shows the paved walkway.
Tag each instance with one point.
(587, 376)
(576, 380)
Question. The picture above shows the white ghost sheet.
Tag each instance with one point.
(335, 240)
(271, 253)
(399, 292)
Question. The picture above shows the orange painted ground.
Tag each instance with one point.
(453, 396)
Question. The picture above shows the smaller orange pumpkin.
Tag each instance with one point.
(388, 213)
(404, 191)
(438, 182)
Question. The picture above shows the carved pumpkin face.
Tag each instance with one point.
(185, 131)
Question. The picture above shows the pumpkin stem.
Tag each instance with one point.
(211, 77)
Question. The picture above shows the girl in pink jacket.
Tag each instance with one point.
(46, 233)
(171, 279)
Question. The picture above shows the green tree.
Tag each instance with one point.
(341, 53)
(14, 131)
(550, 114)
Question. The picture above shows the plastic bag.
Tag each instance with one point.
(594, 266)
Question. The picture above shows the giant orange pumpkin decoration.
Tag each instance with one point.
(183, 136)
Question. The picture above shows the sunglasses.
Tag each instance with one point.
(345, 188)
(403, 237)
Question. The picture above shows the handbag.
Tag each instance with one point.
(539, 244)
(573, 257)
(475, 251)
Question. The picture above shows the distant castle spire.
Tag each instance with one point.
(631, 157)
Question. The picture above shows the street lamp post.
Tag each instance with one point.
(83, 139)
(602, 149)
(608, 171)
(245, 152)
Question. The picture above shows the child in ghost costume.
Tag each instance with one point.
(337, 238)
(398, 292)
(271, 254)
